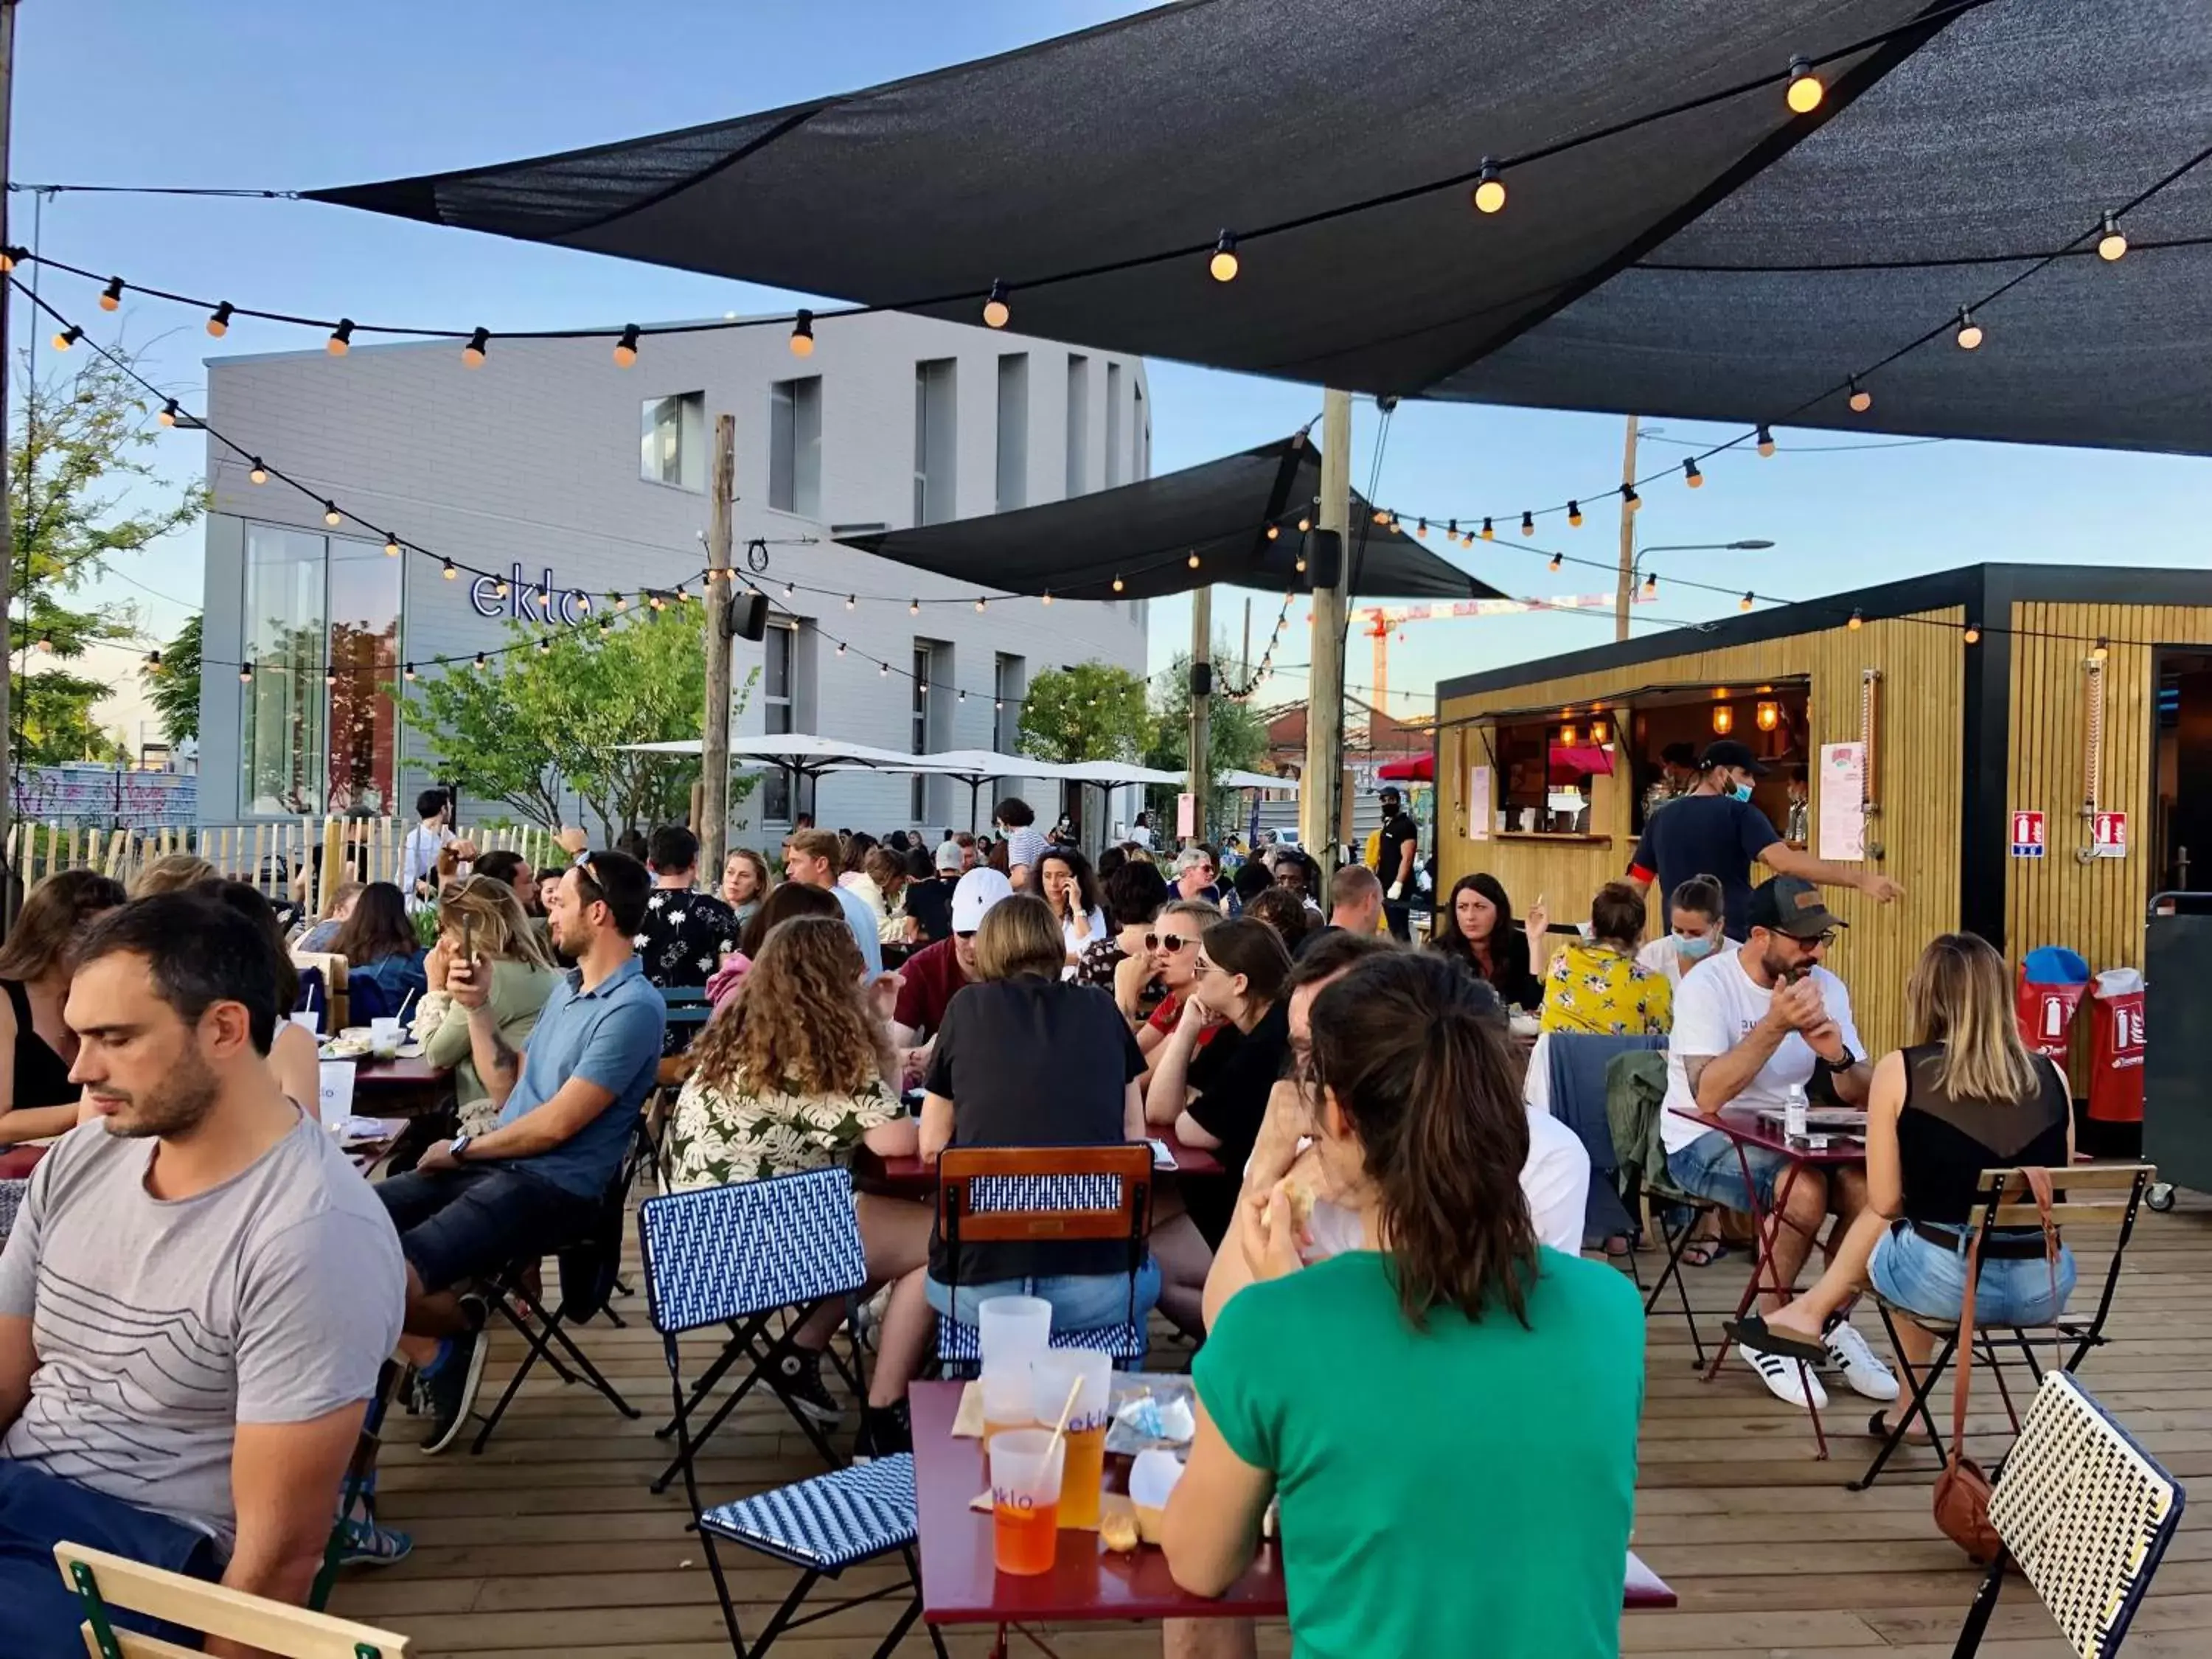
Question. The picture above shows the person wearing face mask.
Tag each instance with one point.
(1716, 828)
(1694, 911)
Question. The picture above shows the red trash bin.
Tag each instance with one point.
(2052, 982)
(2116, 1049)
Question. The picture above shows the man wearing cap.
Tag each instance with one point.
(1750, 1024)
(935, 974)
(1393, 861)
(929, 903)
(1715, 830)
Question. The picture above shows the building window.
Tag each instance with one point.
(935, 437)
(1007, 688)
(779, 682)
(318, 730)
(1113, 424)
(1141, 425)
(672, 441)
(925, 655)
(794, 446)
(1079, 419)
(1014, 431)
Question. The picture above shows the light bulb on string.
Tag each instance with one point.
(1651, 585)
(2111, 244)
(790, 590)
(445, 569)
(1629, 498)
(1274, 531)
(482, 662)
(1765, 440)
(914, 607)
(11, 257)
(621, 601)
(883, 670)
(1692, 477)
(1528, 524)
(1861, 399)
(1805, 91)
(330, 677)
(169, 415)
(1118, 586)
(472, 353)
(66, 338)
(501, 592)
(841, 647)
(1381, 515)
(391, 547)
(2102, 650)
(218, 322)
(1857, 621)
(1970, 332)
(331, 516)
(1191, 560)
(256, 473)
(1223, 266)
(153, 660)
(1746, 602)
(246, 673)
(46, 644)
(1489, 534)
(996, 312)
(341, 340)
(111, 297)
(1047, 596)
(1305, 523)
(410, 673)
(1973, 634)
(626, 347)
(1301, 564)
(802, 334)
(1575, 514)
(544, 644)
(1489, 187)
(963, 696)
(1558, 559)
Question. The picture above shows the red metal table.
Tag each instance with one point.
(1749, 1127)
(960, 1585)
(404, 1086)
(911, 1177)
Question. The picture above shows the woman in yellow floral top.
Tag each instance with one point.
(1595, 986)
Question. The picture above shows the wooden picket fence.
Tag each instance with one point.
(288, 855)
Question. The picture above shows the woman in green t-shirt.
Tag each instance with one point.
(1448, 1413)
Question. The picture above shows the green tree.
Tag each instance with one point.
(172, 685)
(1090, 711)
(75, 452)
(1237, 738)
(533, 720)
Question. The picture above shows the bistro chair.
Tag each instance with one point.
(1575, 1076)
(735, 1255)
(102, 1582)
(1646, 1188)
(333, 1005)
(2084, 1514)
(2093, 1194)
(1034, 1194)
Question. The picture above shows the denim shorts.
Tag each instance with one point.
(1707, 1167)
(39, 1511)
(1920, 1275)
(1080, 1301)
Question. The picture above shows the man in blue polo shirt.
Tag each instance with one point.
(568, 1103)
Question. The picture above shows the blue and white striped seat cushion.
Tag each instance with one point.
(829, 1522)
(963, 1343)
(1002, 1194)
(725, 1253)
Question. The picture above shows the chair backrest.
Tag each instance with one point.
(724, 1253)
(2088, 1193)
(333, 968)
(1029, 1194)
(102, 1581)
(1577, 1061)
(2086, 1512)
(680, 996)
(12, 1193)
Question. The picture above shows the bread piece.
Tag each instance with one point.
(1301, 1205)
(1117, 1528)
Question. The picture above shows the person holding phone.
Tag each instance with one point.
(483, 934)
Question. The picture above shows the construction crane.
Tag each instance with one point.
(1380, 622)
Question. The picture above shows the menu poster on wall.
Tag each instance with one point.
(1478, 802)
(1843, 793)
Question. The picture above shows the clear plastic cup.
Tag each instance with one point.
(1010, 1326)
(1084, 1476)
(384, 1037)
(1007, 1394)
(311, 1022)
(1025, 1474)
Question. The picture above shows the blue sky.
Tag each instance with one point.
(255, 93)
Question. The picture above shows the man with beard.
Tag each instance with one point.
(568, 1105)
(196, 1296)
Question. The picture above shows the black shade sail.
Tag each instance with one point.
(1144, 535)
(1730, 260)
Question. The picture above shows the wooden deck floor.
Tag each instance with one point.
(549, 1543)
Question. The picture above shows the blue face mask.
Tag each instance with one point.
(1740, 791)
(1693, 950)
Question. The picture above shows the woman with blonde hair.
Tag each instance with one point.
(484, 912)
(1964, 1096)
(172, 872)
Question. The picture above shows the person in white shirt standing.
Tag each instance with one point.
(418, 854)
(1751, 1022)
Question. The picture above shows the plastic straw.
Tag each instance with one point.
(1067, 1407)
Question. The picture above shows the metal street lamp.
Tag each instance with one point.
(1750, 544)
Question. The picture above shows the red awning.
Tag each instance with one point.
(1585, 758)
(1409, 768)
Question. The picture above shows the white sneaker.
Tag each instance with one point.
(1862, 1373)
(1785, 1379)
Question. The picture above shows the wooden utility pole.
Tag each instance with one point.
(1321, 789)
(1625, 594)
(1201, 706)
(721, 559)
(6, 524)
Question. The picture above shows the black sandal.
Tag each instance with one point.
(1752, 1331)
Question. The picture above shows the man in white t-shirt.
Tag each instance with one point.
(1751, 1022)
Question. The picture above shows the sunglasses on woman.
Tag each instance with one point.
(1169, 943)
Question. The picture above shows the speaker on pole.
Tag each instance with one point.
(747, 618)
(1324, 558)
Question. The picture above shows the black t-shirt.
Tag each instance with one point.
(1312, 937)
(930, 903)
(1233, 1075)
(1396, 833)
(1033, 1062)
(1715, 836)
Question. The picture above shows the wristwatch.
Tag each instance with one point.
(1845, 1064)
(458, 1150)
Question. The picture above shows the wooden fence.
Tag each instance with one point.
(306, 857)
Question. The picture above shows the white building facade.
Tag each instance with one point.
(564, 473)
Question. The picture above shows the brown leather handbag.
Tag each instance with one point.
(1962, 1490)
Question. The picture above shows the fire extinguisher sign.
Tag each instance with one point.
(2108, 836)
(2027, 837)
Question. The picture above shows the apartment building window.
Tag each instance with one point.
(794, 446)
(1007, 688)
(1141, 437)
(779, 684)
(672, 441)
(1078, 419)
(935, 445)
(1113, 424)
(1014, 431)
(925, 658)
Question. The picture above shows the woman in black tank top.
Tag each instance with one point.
(37, 1099)
(1967, 1096)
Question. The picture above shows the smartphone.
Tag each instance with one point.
(466, 966)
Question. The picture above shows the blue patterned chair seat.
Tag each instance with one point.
(726, 1253)
(830, 1522)
(959, 1344)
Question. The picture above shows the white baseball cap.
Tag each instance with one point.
(948, 855)
(979, 890)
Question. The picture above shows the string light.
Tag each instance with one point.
(9, 256)
(1861, 399)
(1305, 523)
(1746, 602)
(447, 571)
(1421, 529)
(2112, 243)
(980, 602)
(257, 473)
(1528, 524)
(883, 670)
(1805, 91)
(1273, 532)
(47, 643)
(998, 705)
(1191, 560)
(501, 590)
(341, 340)
(218, 322)
(1222, 267)
(169, 415)
(850, 599)
(802, 334)
(996, 312)
(1651, 585)
(1301, 564)
(1489, 188)
(329, 677)
(153, 660)
(2103, 650)
(1970, 332)
(790, 591)
(914, 607)
(1047, 596)
(841, 647)
(64, 338)
(626, 347)
(410, 673)
(1629, 498)
(111, 297)
(481, 663)
(1766, 440)
(1488, 534)
(1856, 622)
(1692, 477)
(331, 516)
(1118, 586)
(391, 547)
(246, 673)
(1574, 514)
(1381, 515)
(1558, 559)
(544, 644)
(1973, 634)
(472, 353)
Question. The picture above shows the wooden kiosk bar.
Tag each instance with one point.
(1974, 697)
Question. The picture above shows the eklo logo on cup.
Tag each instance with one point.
(1005, 1499)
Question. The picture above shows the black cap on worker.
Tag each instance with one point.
(1728, 752)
